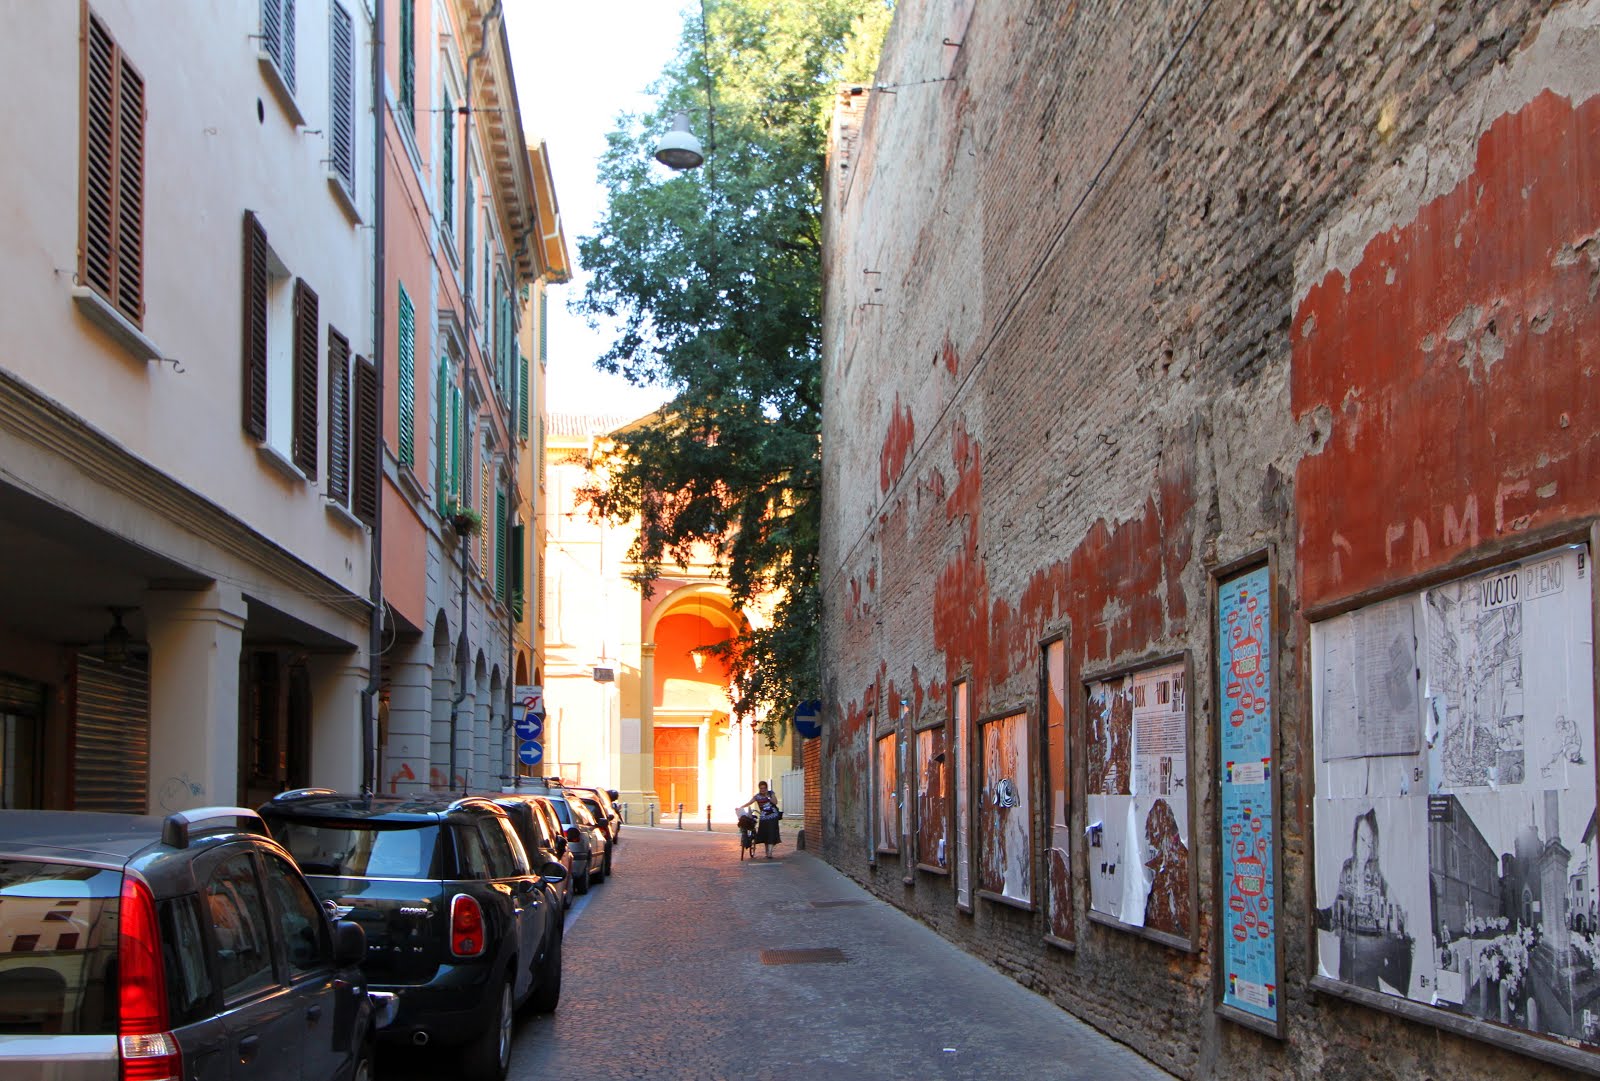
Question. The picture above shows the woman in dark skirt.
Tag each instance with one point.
(767, 807)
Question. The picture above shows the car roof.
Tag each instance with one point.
(90, 836)
(409, 809)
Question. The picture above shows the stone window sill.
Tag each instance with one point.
(100, 312)
(280, 88)
(281, 462)
(341, 514)
(342, 196)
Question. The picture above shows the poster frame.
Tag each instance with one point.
(1086, 680)
(1261, 557)
(916, 731)
(961, 778)
(1070, 778)
(1029, 724)
(881, 845)
(1485, 557)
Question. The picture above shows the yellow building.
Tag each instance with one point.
(635, 702)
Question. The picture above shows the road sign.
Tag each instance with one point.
(808, 718)
(530, 727)
(531, 699)
(530, 752)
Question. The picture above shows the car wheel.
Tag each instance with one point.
(608, 863)
(583, 883)
(489, 1056)
(547, 993)
(599, 872)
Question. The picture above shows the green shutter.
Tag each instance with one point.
(500, 567)
(448, 212)
(523, 401)
(408, 62)
(455, 444)
(468, 219)
(441, 437)
(544, 322)
(519, 574)
(408, 379)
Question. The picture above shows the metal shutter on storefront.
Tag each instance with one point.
(111, 744)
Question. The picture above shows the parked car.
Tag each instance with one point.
(185, 947)
(459, 926)
(584, 835)
(542, 839)
(604, 809)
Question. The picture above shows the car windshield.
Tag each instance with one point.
(361, 850)
(581, 813)
(58, 931)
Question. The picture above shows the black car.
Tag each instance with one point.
(186, 947)
(542, 839)
(459, 926)
(602, 806)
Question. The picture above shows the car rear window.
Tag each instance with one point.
(58, 945)
(563, 812)
(364, 850)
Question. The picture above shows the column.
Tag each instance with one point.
(194, 638)
(642, 790)
(444, 690)
(408, 752)
(337, 721)
(480, 737)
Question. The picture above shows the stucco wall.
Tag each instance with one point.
(1334, 295)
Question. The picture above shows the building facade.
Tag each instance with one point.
(186, 499)
(1209, 521)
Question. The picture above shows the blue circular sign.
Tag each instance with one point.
(530, 726)
(530, 753)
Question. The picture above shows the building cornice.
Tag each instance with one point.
(499, 121)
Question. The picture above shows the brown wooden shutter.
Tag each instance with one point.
(255, 327)
(364, 458)
(306, 334)
(111, 223)
(130, 193)
(338, 418)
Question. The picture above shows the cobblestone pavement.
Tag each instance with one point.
(664, 979)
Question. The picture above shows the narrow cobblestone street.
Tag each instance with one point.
(664, 979)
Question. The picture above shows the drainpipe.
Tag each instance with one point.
(369, 705)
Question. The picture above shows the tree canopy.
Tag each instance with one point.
(714, 279)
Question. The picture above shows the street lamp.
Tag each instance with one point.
(678, 148)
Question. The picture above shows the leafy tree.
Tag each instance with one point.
(713, 278)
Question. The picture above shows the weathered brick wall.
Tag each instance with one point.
(1301, 306)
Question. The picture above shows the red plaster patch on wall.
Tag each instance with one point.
(947, 353)
(1457, 363)
(896, 445)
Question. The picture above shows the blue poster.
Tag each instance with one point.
(1244, 676)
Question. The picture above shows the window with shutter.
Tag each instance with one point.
(306, 334)
(469, 218)
(342, 95)
(277, 36)
(448, 199)
(368, 439)
(483, 509)
(524, 408)
(256, 282)
(457, 419)
(408, 379)
(408, 63)
(539, 451)
(441, 437)
(501, 571)
(544, 323)
(338, 418)
(519, 553)
(111, 233)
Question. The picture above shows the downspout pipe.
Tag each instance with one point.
(369, 704)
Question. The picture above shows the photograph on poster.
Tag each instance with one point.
(1005, 809)
(933, 806)
(888, 793)
(1138, 800)
(1245, 745)
(1496, 919)
(1058, 776)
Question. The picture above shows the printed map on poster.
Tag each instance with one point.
(1464, 876)
(1138, 800)
(1245, 745)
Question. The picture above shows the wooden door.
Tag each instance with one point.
(678, 770)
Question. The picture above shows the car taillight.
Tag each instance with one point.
(572, 834)
(148, 1051)
(466, 927)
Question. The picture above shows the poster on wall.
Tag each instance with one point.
(1005, 810)
(1248, 834)
(961, 725)
(1462, 875)
(888, 795)
(1060, 927)
(1137, 745)
(933, 801)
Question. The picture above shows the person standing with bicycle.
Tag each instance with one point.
(767, 807)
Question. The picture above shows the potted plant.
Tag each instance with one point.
(464, 520)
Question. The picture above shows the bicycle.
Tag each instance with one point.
(747, 836)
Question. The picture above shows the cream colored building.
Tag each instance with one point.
(634, 702)
(184, 488)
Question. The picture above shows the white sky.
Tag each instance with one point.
(578, 65)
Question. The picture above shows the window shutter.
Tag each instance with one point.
(255, 327)
(456, 420)
(341, 95)
(539, 451)
(449, 200)
(364, 460)
(408, 62)
(468, 220)
(544, 323)
(483, 508)
(338, 418)
(286, 61)
(277, 36)
(523, 401)
(441, 437)
(408, 379)
(111, 247)
(500, 569)
(519, 551)
(306, 333)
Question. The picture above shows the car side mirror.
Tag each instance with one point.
(556, 873)
(349, 943)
